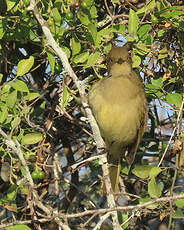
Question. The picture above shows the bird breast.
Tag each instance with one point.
(116, 103)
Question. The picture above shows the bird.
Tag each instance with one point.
(118, 103)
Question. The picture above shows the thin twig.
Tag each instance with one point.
(120, 208)
(173, 132)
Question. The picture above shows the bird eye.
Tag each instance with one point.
(120, 61)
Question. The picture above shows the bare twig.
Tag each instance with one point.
(114, 17)
(173, 132)
(120, 208)
(102, 219)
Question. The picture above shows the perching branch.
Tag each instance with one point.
(125, 209)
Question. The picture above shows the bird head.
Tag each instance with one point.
(118, 61)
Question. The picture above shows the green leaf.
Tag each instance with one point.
(31, 96)
(51, 58)
(154, 171)
(154, 189)
(31, 138)
(3, 113)
(75, 45)
(142, 49)
(93, 31)
(162, 5)
(174, 98)
(33, 36)
(16, 121)
(66, 96)
(178, 214)
(11, 99)
(6, 89)
(67, 51)
(147, 199)
(136, 61)
(93, 12)
(180, 203)
(161, 33)
(125, 169)
(143, 31)
(56, 15)
(81, 58)
(147, 8)
(12, 192)
(162, 56)
(118, 28)
(157, 82)
(170, 14)
(1, 75)
(10, 4)
(18, 227)
(124, 217)
(84, 18)
(142, 171)
(2, 32)
(20, 86)
(133, 22)
(93, 59)
(25, 65)
(11, 207)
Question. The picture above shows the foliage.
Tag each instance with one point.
(40, 106)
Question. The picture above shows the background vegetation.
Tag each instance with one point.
(44, 133)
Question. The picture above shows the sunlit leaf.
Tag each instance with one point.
(133, 22)
(81, 58)
(56, 15)
(142, 171)
(136, 61)
(174, 99)
(147, 8)
(93, 31)
(154, 189)
(25, 65)
(31, 138)
(147, 199)
(51, 58)
(31, 96)
(11, 99)
(16, 121)
(20, 86)
(66, 96)
(154, 171)
(10, 4)
(93, 59)
(18, 227)
(179, 203)
(3, 113)
(12, 192)
(75, 45)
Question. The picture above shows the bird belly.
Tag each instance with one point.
(117, 109)
(118, 123)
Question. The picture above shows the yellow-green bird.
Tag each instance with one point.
(119, 105)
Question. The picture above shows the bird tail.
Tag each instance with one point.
(114, 172)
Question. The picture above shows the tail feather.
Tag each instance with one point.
(114, 172)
